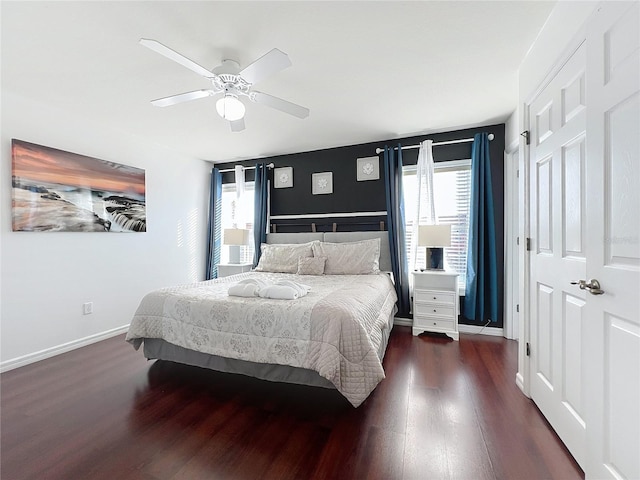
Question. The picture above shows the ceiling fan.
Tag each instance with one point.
(229, 80)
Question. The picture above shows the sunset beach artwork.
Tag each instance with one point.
(58, 191)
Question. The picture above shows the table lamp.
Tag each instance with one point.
(235, 237)
(434, 237)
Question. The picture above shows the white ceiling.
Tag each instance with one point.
(368, 71)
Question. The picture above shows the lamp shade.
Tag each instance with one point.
(230, 108)
(235, 236)
(434, 235)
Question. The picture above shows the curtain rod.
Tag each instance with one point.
(380, 150)
(269, 165)
(435, 144)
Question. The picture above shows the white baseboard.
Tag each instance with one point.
(59, 349)
(496, 332)
(403, 322)
(479, 330)
(520, 383)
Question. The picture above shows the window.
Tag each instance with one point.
(240, 214)
(452, 193)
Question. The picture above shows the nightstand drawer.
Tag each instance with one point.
(434, 296)
(431, 310)
(433, 323)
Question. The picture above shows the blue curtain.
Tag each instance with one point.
(260, 210)
(481, 297)
(214, 234)
(396, 226)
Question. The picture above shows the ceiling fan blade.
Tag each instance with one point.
(237, 125)
(268, 64)
(279, 104)
(176, 57)
(181, 97)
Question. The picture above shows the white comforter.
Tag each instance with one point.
(334, 330)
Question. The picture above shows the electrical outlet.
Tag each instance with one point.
(87, 308)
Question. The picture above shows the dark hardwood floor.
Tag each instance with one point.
(447, 410)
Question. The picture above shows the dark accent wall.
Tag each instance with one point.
(349, 195)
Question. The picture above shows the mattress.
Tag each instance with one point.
(337, 332)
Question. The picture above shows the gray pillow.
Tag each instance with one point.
(352, 258)
(282, 257)
(311, 265)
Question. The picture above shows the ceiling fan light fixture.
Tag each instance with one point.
(230, 108)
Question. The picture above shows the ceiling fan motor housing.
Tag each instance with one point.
(227, 82)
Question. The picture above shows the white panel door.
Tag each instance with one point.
(557, 174)
(612, 376)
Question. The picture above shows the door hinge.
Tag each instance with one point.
(517, 173)
(517, 240)
(527, 136)
(518, 307)
(528, 244)
(528, 349)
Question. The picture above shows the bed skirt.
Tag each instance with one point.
(156, 348)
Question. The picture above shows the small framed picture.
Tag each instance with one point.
(322, 183)
(368, 169)
(283, 177)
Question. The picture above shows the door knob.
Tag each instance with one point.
(593, 286)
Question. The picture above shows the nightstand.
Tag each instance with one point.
(226, 269)
(435, 302)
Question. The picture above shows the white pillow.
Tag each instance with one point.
(311, 265)
(282, 257)
(352, 258)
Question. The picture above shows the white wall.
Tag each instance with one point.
(46, 277)
(511, 132)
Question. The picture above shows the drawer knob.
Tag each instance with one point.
(434, 323)
(435, 298)
(434, 310)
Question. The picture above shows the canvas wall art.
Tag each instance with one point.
(322, 183)
(58, 191)
(368, 169)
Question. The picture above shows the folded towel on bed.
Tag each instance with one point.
(281, 290)
(301, 288)
(249, 287)
(254, 281)
(285, 290)
(244, 290)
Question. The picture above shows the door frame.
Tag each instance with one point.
(511, 215)
(523, 376)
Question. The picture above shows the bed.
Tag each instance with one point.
(335, 336)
